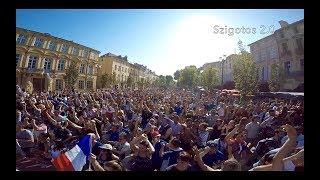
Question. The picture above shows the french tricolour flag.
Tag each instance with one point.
(75, 158)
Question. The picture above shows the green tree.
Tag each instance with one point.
(104, 79)
(71, 76)
(160, 81)
(176, 75)
(210, 78)
(189, 77)
(169, 80)
(277, 77)
(245, 74)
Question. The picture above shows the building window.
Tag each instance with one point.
(299, 43)
(82, 68)
(90, 69)
(32, 62)
(119, 68)
(287, 67)
(38, 42)
(295, 30)
(21, 39)
(47, 64)
(115, 67)
(302, 64)
(89, 84)
(85, 53)
(59, 84)
(281, 34)
(81, 84)
(64, 48)
(18, 57)
(61, 64)
(75, 51)
(52, 46)
(284, 47)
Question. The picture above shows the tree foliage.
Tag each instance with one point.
(71, 76)
(210, 78)
(277, 77)
(106, 80)
(189, 77)
(176, 75)
(245, 74)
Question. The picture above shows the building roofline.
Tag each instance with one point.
(259, 40)
(49, 35)
(289, 25)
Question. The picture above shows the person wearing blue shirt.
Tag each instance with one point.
(211, 155)
(157, 144)
(178, 108)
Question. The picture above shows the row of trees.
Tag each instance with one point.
(191, 76)
(245, 74)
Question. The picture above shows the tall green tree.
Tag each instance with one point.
(277, 77)
(189, 77)
(169, 80)
(71, 76)
(210, 78)
(176, 75)
(245, 74)
(104, 80)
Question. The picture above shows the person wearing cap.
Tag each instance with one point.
(158, 143)
(211, 155)
(106, 154)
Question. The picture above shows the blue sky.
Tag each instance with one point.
(164, 40)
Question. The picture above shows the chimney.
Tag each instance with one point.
(283, 23)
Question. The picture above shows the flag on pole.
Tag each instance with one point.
(75, 158)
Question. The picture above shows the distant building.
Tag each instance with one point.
(265, 53)
(290, 40)
(43, 60)
(284, 46)
(122, 69)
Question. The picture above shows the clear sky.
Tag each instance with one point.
(163, 40)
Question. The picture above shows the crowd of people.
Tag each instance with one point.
(156, 129)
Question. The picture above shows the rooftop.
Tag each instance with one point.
(49, 35)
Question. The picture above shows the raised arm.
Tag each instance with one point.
(277, 163)
(199, 161)
(230, 135)
(95, 163)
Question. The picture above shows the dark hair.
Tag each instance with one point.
(184, 156)
(175, 142)
(124, 135)
(144, 142)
